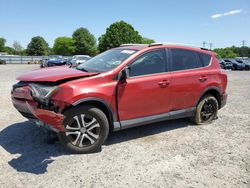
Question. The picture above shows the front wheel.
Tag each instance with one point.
(206, 110)
(87, 129)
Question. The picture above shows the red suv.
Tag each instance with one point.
(124, 87)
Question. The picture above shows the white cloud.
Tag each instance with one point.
(232, 12)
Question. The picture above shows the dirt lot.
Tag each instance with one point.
(168, 154)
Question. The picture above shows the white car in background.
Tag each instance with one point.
(78, 59)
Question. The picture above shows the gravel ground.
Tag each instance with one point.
(167, 154)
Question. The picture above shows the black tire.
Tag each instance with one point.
(71, 140)
(206, 110)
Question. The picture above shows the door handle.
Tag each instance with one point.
(164, 83)
(203, 78)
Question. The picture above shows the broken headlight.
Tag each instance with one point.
(43, 92)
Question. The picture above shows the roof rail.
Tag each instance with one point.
(133, 45)
(156, 44)
(170, 43)
(163, 43)
(167, 43)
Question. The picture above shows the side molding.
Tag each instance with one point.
(189, 112)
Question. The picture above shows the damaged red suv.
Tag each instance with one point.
(124, 87)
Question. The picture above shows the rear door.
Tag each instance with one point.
(147, 90)
(189, 78)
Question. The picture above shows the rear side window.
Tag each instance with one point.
(184, 59)
(205, 59)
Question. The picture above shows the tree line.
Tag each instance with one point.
(233, 52)
(81, 42)
(84, 42)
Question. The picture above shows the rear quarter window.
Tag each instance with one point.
(184, 59)
(205, 59)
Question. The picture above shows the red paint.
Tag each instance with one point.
(53, 74)
(55, 120)
(22, 93)
(137, 97)
(48, 117)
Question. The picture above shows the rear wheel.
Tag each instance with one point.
(87, 129)
(206, 110)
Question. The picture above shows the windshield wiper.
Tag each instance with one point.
(82, 69)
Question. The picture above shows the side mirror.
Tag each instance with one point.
(124, 74)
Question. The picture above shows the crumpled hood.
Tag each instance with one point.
(53, 74)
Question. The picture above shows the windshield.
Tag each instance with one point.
(106, 61)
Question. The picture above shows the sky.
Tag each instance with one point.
(220, 22)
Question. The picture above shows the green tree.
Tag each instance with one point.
(17, 47)
(64, 46)
(118, 33)
(2, 44)
(37, 46)
(235, 49)
(243, 51)
(225, 52)
(9, 50)
(85, 42)
(147, 41)
(50, 51)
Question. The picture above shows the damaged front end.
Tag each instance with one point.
(33, 101)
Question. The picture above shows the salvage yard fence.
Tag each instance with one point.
(10, 59)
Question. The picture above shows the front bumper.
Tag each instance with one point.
(23, 102)
(223, 100)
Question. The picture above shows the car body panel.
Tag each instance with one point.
(136, 97)
(53, 74)
(22, 100)
(80, 90)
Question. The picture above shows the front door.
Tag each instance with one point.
(147, 90)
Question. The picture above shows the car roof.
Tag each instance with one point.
(133, 46)
(163, 45)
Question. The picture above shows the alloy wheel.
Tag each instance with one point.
(83, 130)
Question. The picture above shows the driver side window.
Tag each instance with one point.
(149, 63)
